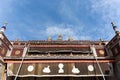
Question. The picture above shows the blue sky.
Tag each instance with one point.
(38, 19)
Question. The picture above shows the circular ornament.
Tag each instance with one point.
(30, 68)
(17, 52)
(101, 52)
(90, 68)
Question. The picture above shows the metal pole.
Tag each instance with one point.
(24, 54)
(95, 55)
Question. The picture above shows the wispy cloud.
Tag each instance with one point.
(108, 11)
(67, 12)
(60, 29)
(80, 19)
(66, 31)
(56, 30)
(26, 27)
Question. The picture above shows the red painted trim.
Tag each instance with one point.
(84, 46)
(60, 61)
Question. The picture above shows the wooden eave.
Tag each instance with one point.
(55, 42)
(52, 59)
(59, 61)
(60, 46)
(113, 39)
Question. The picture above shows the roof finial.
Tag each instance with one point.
(70, 38)
(49, 38)
(17, 39)
(115, 28)
(3, 28)
(112, 24)
(59, 37)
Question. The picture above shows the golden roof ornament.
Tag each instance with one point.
(49, 38)
(17, 39)
(59, 37)
(70, 38)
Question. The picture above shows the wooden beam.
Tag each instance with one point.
(60, 46)
(60, 61)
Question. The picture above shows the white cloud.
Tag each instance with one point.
(56, 30)
(109, 11)
(67, 10)
(66, 31)
(71, 14)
